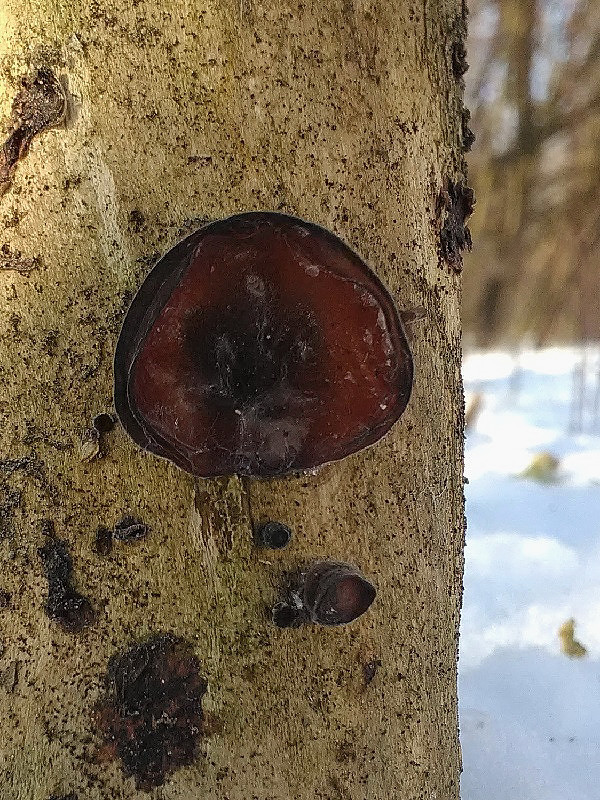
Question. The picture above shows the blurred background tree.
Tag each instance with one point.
(534, 92)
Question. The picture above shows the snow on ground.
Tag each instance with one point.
(529, 715)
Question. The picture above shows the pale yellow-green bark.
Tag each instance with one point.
(345, 113)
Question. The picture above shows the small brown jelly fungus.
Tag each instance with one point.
(335, 593)
(260, 345)
(327, 593)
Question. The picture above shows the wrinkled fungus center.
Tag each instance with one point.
(248, 356)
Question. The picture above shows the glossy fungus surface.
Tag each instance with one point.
(336, 593)
(260, 345)
(326, 593)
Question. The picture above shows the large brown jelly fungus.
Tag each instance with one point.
(260, 345)
(151, 715)
(326, 593)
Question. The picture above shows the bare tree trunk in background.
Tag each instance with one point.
(346, 113)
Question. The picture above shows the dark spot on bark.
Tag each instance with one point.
(4, 599)
(370, 669)
(468, 137)
(459, 50)
(29, 464)
(273, 535)
(40, 104)
(457, 202)
(10, 260)
(346, 753)
(70, 796)
(459, 59)
(103, 541)
(50, 342)
(64, 604)
(137, 221)
(10, 499)
(151, 715)
(13, 220)
(129, 529)
(288, 614)
(104, 423)
(335, 783)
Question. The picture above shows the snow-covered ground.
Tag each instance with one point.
(529, 714)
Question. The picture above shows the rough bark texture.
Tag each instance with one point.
(344, 112)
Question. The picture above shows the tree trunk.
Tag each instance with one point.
(345, 113)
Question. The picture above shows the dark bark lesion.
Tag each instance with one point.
(64, 603)
(456, 201)
(41, 103)
(14, 260)
(151, 715)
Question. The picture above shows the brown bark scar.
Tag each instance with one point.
(41, 103)
(9, 677)
(457, 200)
(15, 261)
(151, 714)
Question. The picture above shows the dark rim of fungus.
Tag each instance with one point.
(260, 345)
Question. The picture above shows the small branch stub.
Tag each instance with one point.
(273, 535)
